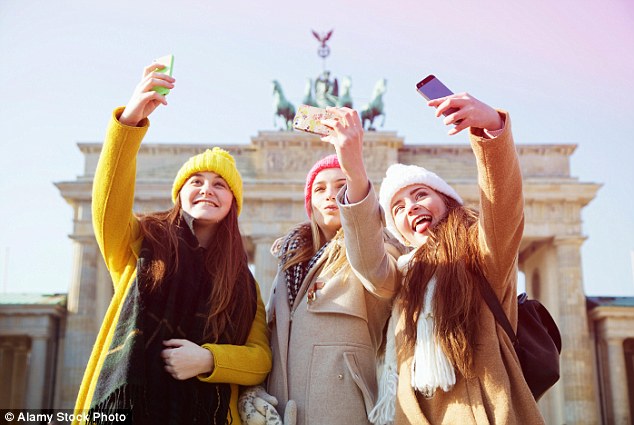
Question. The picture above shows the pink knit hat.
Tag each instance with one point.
(330, 161)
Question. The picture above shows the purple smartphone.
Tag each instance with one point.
(430, 88)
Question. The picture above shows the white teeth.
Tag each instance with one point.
(418, 220)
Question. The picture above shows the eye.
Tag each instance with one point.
(397, 209)
(196, 181)
(220, 184)
(421, 194)
(319, 188)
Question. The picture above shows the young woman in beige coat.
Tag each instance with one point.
(329, 308)
(447, 361)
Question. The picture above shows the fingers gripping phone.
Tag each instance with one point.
(431, 88)
(308, 119)
(168, 65)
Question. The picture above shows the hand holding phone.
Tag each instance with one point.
(168, 65)
(430, 88)
(308, 119)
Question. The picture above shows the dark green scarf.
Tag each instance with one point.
(133, 375)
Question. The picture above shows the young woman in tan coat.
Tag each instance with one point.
(329, 309)
(447, 361)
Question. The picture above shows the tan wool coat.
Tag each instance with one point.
(498, 394)
(324, 350)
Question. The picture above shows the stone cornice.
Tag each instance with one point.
(465, 149)
(294, 138)
(612, 312)
(159, 149)
(388, 138)
(33, 310)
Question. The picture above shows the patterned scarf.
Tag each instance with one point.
(296, 274)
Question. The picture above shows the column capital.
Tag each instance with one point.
(561, 240)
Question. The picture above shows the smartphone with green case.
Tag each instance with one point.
(168, 65)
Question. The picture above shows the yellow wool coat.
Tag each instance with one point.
(498, 394)
(119, 237)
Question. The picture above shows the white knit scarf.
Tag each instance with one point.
(431, 369)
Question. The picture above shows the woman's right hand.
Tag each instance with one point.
(144, 100)
(346, 135)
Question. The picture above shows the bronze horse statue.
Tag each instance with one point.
(375, 108)
(345, 99)
(283, 108)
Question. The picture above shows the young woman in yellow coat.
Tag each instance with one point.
(186, 324)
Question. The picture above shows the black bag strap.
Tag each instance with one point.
(496, 308)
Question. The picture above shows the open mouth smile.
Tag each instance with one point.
(421, 223)
(206, 202)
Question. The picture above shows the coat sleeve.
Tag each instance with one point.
(372, 259)
(116, 228)
(247, 364)
(501, 222)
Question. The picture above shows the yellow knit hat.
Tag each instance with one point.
(216, 160)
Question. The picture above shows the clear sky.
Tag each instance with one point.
(564, 69)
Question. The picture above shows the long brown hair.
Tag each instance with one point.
(225, 261)
(311, 238)
(451, 254)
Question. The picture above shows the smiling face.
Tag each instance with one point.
(415, 209)
(207, 198)
(325, 210)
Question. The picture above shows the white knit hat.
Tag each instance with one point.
(399, 176)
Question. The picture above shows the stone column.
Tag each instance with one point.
(577, 376)
(265, 264)
(618, 400)
(81, 324)
(37, 373)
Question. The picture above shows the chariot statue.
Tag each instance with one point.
(326, 91)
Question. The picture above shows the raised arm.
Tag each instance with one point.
(372, 259)
(499, 179)
(116, 229)
(501, 203)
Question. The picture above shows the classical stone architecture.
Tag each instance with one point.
(612, 330)
(273, 166)
(31, 332)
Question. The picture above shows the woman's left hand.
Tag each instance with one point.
(183, 359)
(470, 113)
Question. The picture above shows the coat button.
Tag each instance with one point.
(340, 376)
(311, 296)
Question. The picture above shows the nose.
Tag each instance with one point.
(412, 207)
(205, 189)
(332, 193)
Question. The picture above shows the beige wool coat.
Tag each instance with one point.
(498, 394)
(324, 349)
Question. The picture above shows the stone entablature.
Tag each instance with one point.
(275, 163)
